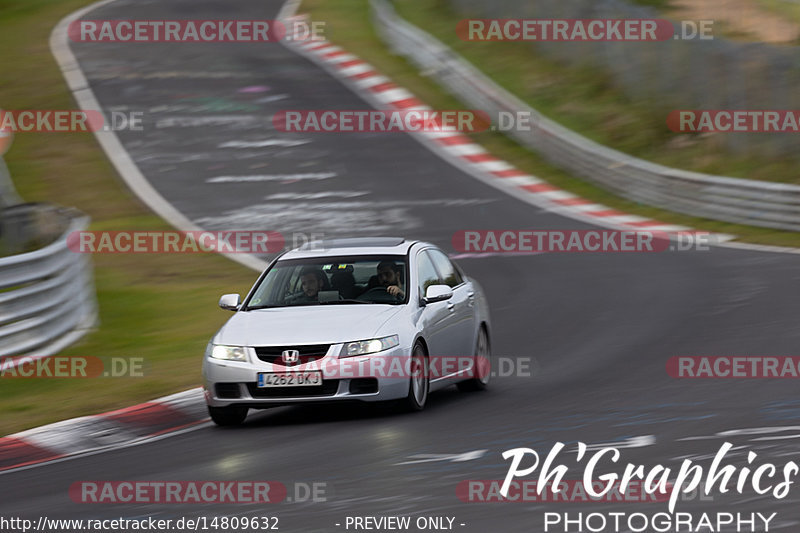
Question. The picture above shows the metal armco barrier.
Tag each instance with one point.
(47, 297)
(757, 203)
(8, 195)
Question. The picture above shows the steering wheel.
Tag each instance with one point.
(379, 294)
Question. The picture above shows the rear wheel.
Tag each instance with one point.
(481, 366)
(228, 416)
(419, 382)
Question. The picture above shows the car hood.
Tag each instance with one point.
(327, 324)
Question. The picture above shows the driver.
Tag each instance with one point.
(389, 278)
(312, 280)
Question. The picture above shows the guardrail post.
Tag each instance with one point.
(8, 194)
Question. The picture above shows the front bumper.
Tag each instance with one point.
(366, 378)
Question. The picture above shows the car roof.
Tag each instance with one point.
(352, 246)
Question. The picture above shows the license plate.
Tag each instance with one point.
(289, 379)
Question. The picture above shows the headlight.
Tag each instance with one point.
(371, 346)
(229, 353)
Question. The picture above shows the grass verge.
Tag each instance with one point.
(158, 307)
(789, 10)
(580, 99)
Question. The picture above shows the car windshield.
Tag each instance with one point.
(333, 281)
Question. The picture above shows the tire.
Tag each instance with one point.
(482, 365)
(228, 416)
(419, 383)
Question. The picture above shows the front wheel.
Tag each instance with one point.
(419, 382)
(481, 366)
(228, 416)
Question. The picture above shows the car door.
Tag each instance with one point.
(437, 319)
(461, 305)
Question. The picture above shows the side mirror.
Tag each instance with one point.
(438, 293)
(230, 302)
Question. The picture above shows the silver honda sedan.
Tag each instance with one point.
(369, 319)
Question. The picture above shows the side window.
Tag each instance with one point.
(427, 275)
(274, 289)
(449, 273)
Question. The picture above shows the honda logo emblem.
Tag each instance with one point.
(290, 356)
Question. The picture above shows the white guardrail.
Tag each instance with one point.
(47, 297)
(757, 203)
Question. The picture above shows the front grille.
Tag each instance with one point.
(308, 353)
(329, 387)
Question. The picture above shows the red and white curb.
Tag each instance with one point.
(376, 88)
(103, 432)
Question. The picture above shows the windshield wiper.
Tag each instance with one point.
(346, 301)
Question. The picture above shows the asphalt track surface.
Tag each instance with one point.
(600, 327)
